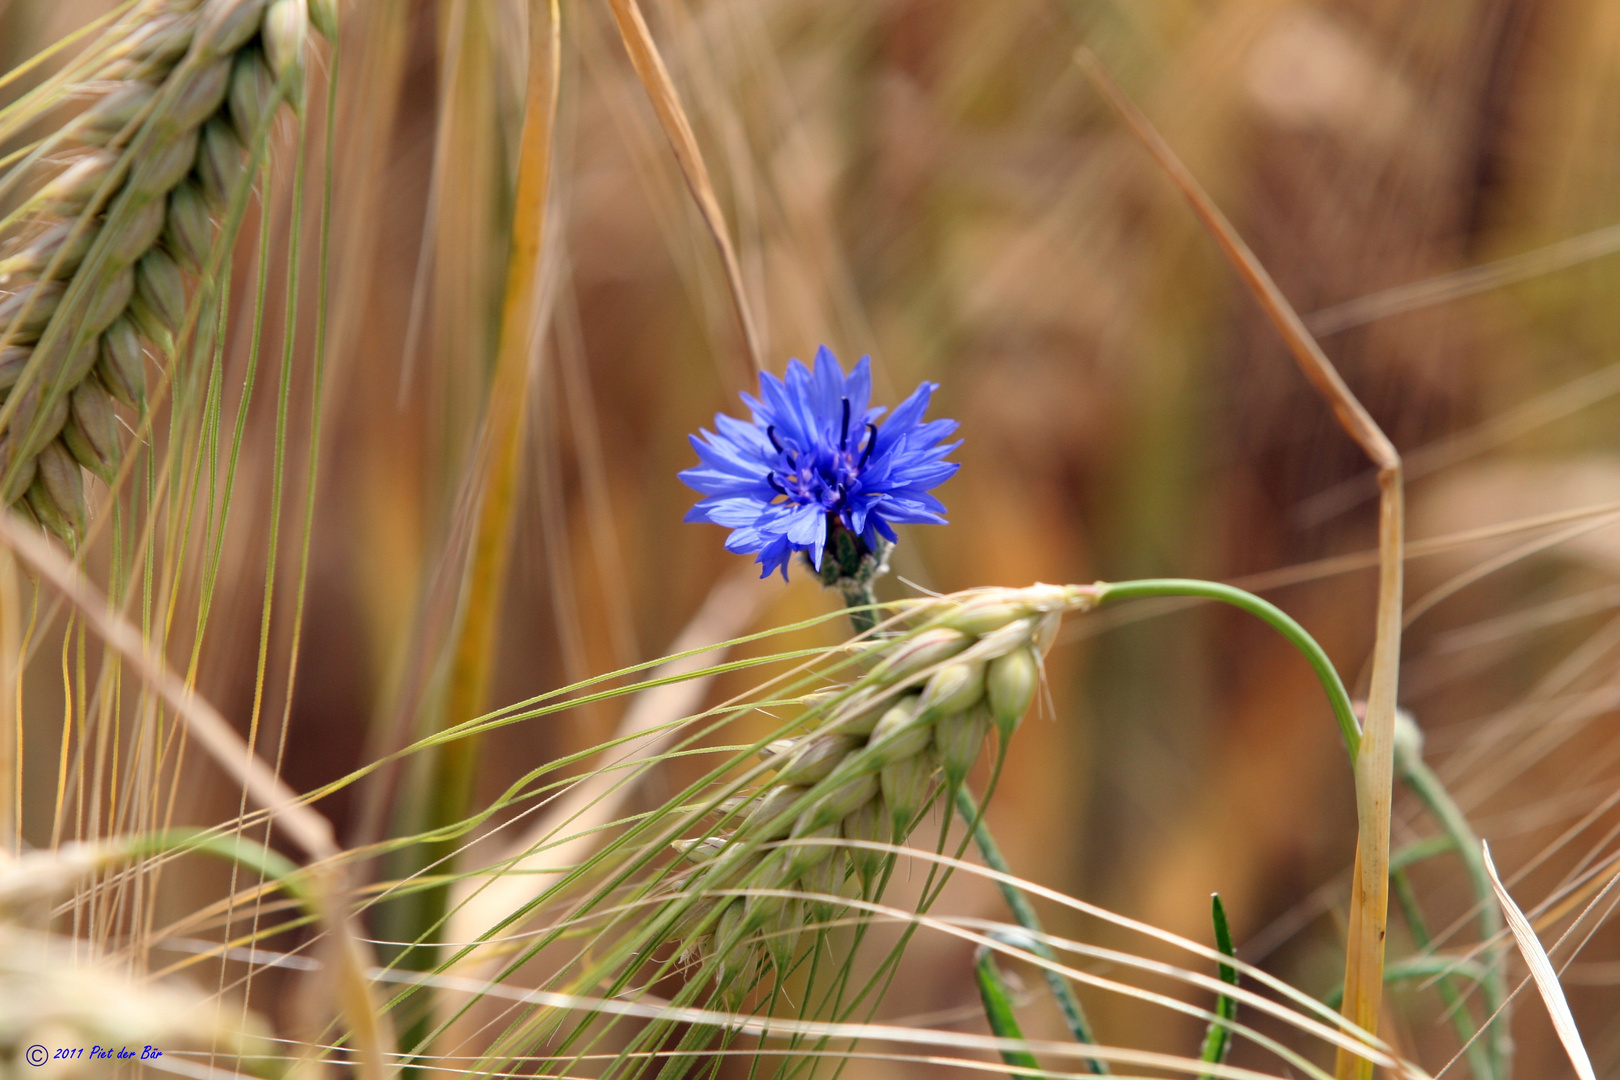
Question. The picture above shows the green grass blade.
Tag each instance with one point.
(1218, 1036)
(998, 1012)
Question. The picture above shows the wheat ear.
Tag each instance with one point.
(866, 771)
(101, 257)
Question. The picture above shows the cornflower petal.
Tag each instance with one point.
(814, 457)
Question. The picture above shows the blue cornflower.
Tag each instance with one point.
(815, 460)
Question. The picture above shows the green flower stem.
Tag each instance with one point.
(861, 599)
(1274, 616)
(1480, 1061)
(1024, 913)
(1416, 774)
(1105, 592)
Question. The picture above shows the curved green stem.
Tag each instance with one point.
(1269, 613)
(1417, 775)
(1481, 1060)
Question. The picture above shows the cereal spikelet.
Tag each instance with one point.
(102, 257)
(867, 771)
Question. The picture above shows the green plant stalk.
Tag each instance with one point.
(1422, 966)
(1074, 1016)
(1269, 613)
(1218, 1036)
(998, 1012)
(1417, 775)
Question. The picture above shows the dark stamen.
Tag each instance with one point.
(770, 433)
(843, 439)
(871, 441)
(770, 478)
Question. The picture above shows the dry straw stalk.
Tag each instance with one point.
(1375, 764)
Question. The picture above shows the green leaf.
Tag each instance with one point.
(1218, 1037)
(998, 1011)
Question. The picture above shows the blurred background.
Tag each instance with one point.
(1436, 189)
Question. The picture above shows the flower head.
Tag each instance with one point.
(816, 458)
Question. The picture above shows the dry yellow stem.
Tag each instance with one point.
(302, 824)
(666, 103)
(501, 446)
(1375, 764)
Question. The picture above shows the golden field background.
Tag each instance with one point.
(936, 184)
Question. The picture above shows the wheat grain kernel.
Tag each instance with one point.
(130, 242)
(835, 804)
(982, 614)
(220, 160)
(814, 759)
(920, 652)
(165, 40)
(958, 739)
(903, 731)
(79, 362)
(1010, 688)
(798, 859)
(285, 33)
(59, 476)
(227, 25)
(63, 242)
(869, 822)
(908, 786)
(859, 713)
(160, 294)
(701, 850)
(110, 115)
(108, 302)
(252, 93)
(123, 362)
(25, 313)
(200, 96)
(190, 232)
(167, 165)
(70, 190)
(91, 431)
(323, 15)
(13, 359)
(953, 688)
(821, 883)
(12, 486)
(35, 423)
(770, 819)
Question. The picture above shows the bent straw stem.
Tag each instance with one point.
(1375, 772)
